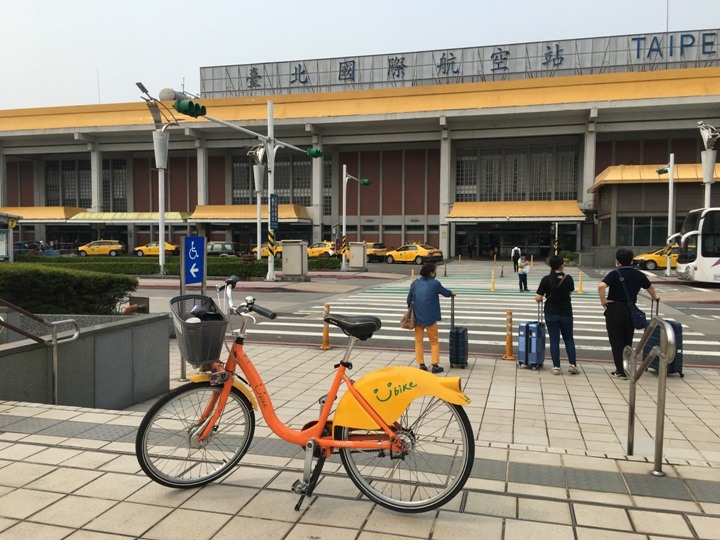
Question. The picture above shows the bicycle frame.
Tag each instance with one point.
(238, 358)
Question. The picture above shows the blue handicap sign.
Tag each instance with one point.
(194, 255)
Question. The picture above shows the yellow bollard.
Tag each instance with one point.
(326, 331)
(412, 275)
(444, 270)
(492, 280)
(502, 270)
(508, 337)
(532, 260)
(459, 259)
(580, 290)
(494, 259)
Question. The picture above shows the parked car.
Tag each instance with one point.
(375, 251)
(25, 248)
(657, 259)
(264, 250)
(153, 248)
(322, 249)
(223, 249)
(102, 247)
(417, 253)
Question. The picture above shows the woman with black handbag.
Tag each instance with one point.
(622, 285)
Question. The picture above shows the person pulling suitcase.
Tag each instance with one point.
(424, 292)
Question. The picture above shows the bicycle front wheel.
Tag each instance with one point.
(167, 447)
(432, 469)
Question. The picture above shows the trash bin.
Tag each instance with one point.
(294, 258)
(199, 327)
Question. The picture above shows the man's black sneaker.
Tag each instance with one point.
(437, 369)
(617, 375)
(423, 367)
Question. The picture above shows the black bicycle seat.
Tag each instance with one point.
(360, 326)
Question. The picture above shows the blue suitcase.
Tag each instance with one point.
(458, 341)
(677, 364)
(531, 342)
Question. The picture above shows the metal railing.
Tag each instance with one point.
(665, 353)
(52, 342)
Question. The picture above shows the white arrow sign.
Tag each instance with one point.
(194, 269)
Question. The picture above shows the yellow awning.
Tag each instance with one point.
(32, 214)
(247, 213)
(464, 212)
(128, 218)
(647, 174)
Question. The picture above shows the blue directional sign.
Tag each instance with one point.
(194, 259)
(273, 212)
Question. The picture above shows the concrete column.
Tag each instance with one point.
(3, 179)
(202, 172)
(96, 177)
(613, 216)
(316, 207)
(588, 177)
(447, 242)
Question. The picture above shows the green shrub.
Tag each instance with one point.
(150, 266)
(41, 288)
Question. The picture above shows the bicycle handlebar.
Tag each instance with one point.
(249, 304)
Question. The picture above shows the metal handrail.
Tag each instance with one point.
(666, 352)
(52, 342)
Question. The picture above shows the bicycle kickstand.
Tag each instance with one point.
(306, 486)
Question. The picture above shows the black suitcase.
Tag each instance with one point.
(531, 342)
(458, 340)
(677, 364)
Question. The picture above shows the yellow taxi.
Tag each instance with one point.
(153, 248)
(656, 259)
(264, 252)
(101, 247)
(417, 253)
(374, 251)
(322, 249)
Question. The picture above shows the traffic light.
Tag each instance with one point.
(190, 108)
(663, 170)
(314, 152)
(364, 181)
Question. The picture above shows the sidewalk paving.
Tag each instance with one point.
(550, 463)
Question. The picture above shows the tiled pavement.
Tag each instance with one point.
(550, 463)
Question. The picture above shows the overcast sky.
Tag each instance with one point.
(77, 52)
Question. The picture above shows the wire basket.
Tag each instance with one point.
(200, 328)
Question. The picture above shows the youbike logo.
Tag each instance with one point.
(393, 390)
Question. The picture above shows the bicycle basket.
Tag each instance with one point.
(200, 341)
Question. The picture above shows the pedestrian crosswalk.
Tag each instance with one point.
(484, 304)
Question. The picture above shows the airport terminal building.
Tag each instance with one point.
(503, 145)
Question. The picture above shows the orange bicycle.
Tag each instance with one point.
(402, 433)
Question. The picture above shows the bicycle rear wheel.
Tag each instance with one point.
(166, 447)
(436, 463)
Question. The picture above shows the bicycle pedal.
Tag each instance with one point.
(219, 377)
(299, 487)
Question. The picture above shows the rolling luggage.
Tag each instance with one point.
(676, 365)
(458, 340)
(531, 342)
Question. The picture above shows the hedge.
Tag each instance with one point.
(43, 288)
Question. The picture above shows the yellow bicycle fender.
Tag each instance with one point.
(204, 377)
(390, 390)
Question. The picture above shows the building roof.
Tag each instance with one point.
(647, 174)
(247, 213)
(29, 214)
(516, 211)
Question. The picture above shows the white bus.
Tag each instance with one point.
(699, 254)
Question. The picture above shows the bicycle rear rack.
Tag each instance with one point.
(666, 353)
(52, 342)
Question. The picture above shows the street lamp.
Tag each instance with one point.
(161, 141)
(670, 168)
(344, 245)
(258, 154)
(709, 136)
(184, 105)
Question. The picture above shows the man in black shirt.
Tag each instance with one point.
(617, 306)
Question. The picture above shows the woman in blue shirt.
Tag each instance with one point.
(424, 293)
